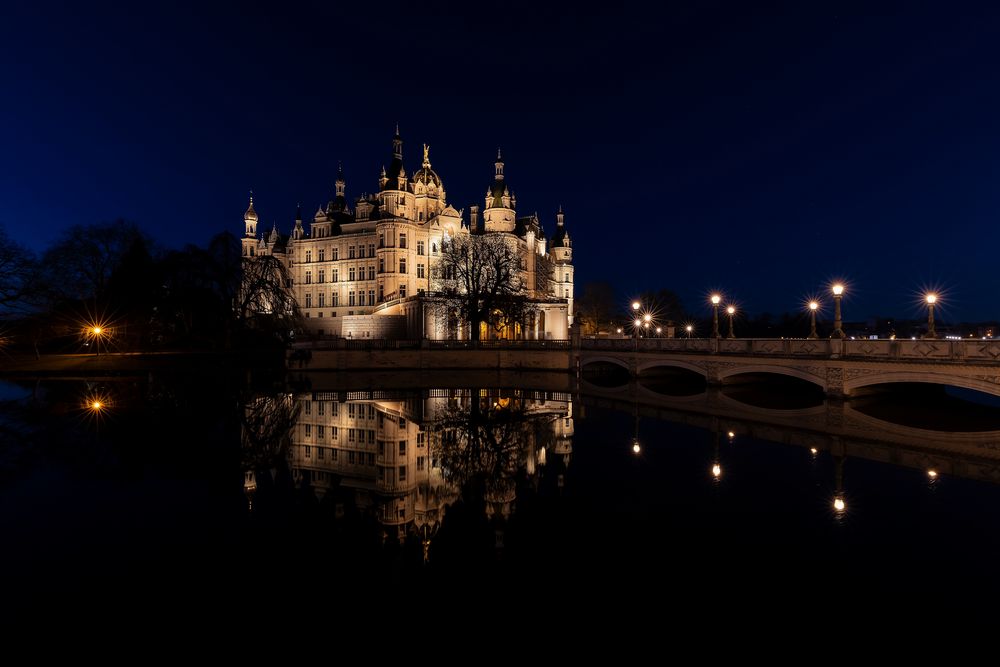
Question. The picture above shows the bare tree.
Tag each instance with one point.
(17, 275)
(264, 299)
(596, 306)
(86, 256)
(479, 278)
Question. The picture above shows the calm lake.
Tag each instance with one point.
(314, 485)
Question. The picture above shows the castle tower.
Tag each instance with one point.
(562, 258)
(499, 214)
(250, 227)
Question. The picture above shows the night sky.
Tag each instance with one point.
(762, 151)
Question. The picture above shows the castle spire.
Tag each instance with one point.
(397, 145)
(499, 166)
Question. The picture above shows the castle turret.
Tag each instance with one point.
(562, 257)
(498, 214)
(249, 242)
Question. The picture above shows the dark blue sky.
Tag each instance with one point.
(759, 150)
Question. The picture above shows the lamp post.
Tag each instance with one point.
(838, 293)
(731, 311)
(689, 329)
(96, 331)
(813, 306)
(636, 326)
(715, 315)
(931, 300)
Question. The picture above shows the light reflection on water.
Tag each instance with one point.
(443, 482)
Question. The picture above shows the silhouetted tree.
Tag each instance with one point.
(479, 278)
(18, 272)
(85, 257)
(596, 307)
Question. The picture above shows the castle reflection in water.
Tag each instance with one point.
(405, 456)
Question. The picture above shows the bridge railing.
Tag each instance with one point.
(969, 350)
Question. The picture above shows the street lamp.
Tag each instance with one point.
(659, 331)
(731, 311)
(838, 293)
(689, 329)
(97, 331)
(715, 315)
(813, 307)
(931, 300)
(636, 305)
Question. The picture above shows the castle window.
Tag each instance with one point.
(308, 448)
(371, 273)
(309, 277)
(371, 249)
(350, 252)
(381, 264)
(567, 278)
(308, 406)
(319, 451)
(320, 407)
(350, 274)
(336, 275)
(420, 271)
(309, 300)
(320, 432)
(402, 447)
(402, 291)
(309, 430)
(381, 293)
(402, 473)
(371, 297)
(336, 254)
(322, 300)
(402, 240)
(322, 276)
(420, 217)
(251, 252)
(350, 298)
(434, 248)
(334, 298)
(322, 255)
(402, 265)
(381, 240)
(420, 247)
(309, 256)
(333, 454)
(420, 463)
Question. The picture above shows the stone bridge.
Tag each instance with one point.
(839, 367)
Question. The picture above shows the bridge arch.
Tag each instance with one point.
(926, 377)
(764, 369)
(671, 363)
(588, 360)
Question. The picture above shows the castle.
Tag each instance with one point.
(367, 271)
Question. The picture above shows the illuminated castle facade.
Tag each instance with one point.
(366, 271)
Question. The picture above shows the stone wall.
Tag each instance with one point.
(373, 326)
